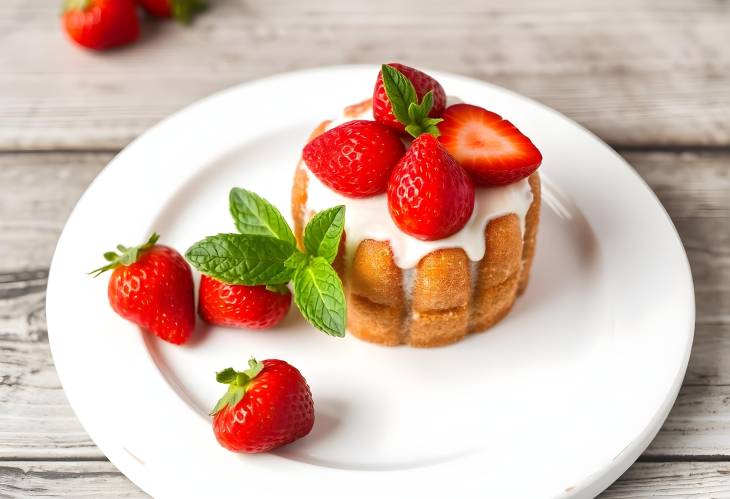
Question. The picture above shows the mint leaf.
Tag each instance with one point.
(319, 296)
(243, 259)
(255, 215)
(323, 233)
(400, 92)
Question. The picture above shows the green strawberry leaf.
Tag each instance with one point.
(404, 101)
(323, 233)
(400, 91)
(226, 376)
(238, 383)
(256, 216)
(184, 10)
(243, 259)
(319, 295)
(126, 256)
(75, 5)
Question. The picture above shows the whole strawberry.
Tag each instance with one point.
(152, 286)
(355, 158)
(182, 10)
(266, 406)
(235, 305)
(429, 195)
(101, 24)
(489, 147)
(387, 106)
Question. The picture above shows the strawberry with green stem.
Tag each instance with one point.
(152, 286)
(264, 253)
(266, 406)
(408, 99)
(101, 24)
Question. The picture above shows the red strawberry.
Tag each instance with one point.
(266, 406)
(182, 10)
(152, 286)
(490, 148)
(101, 24)
(382, 108)
(355, 158)
(234, 305)
(429, 195)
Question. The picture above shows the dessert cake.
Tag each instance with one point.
(404, 288)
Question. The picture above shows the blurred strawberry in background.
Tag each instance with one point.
(104, 24)
(101, 24)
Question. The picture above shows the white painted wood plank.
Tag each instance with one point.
(21, 479)
(695, 480)
(652, 72)
(102, 480)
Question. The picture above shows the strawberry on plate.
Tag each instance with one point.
(182, 10)
(101, 24)
(355, 158)
(266, 406)
(152, 286)
(394, 94)
(235, 305)
(490, 148)
(429, 195)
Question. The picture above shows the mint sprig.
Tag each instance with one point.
(265, 253)
(404, 102)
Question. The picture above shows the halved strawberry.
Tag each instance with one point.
(489, 147)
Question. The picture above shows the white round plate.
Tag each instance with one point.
(557, 400)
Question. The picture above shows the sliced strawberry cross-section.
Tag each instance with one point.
(489, 147)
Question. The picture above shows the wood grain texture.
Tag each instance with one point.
(674, 479)
(68, 479)
(37, 193)
(101, 480)
(636, 73)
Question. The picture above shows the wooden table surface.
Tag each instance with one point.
(652, 78)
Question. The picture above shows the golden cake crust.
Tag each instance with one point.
(444, 302)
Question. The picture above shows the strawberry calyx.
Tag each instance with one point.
(404, 101)
(184, 10)
(238, 382)
(79, 5)
(126, 256)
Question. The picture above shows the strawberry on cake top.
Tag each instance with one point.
(442, 202)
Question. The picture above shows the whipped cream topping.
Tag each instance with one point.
(369, 218)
